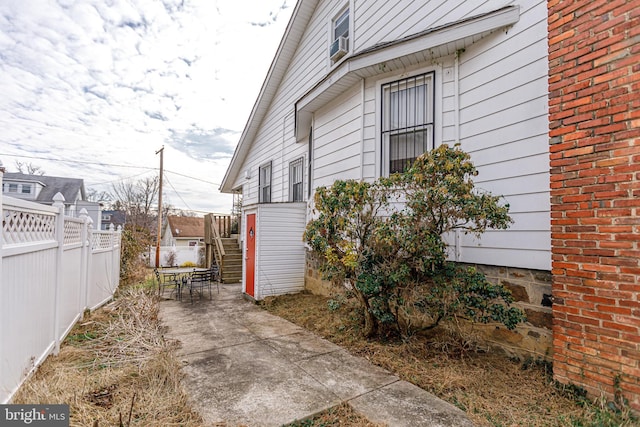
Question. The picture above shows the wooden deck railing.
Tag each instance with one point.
(219, 251)
(217, 227)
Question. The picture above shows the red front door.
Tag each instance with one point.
(250, 255)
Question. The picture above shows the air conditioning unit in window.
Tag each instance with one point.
(339, 48)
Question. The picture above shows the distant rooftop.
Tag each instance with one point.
(69, 187)
(186, 226)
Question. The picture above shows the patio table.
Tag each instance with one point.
(178, 277)
(181, 270)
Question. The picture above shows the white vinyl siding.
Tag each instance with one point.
(280, 251)
(492, 99)
(380, 21)
(336, 139)
(503, 125)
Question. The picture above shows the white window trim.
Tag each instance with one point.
(333, 16)
(381, 168)
(260, 186)
(300, 159)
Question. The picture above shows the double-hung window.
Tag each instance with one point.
(264, 183)
(339, 35)
(407, 121)
(296, 173)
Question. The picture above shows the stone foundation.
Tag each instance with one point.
(531, 290)
(313, 281)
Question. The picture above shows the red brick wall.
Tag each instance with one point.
(594, 109)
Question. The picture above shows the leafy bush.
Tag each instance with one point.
(133, 244)
(188, 264)
(393, 255)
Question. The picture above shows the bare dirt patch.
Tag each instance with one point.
(491, 388)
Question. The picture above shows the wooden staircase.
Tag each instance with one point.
(231, 271)
(221, 248)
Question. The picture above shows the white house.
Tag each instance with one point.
(358, 88)
(183, 231)
(42, 189)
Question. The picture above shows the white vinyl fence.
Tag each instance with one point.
(180, 255)
(52, 268)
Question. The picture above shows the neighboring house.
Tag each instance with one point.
(94, 210)
(360, 88)
(183, 231)
(116, 217)
(42, 188)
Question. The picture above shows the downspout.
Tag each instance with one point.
(284, 133)
(362, 100)
(456, 115)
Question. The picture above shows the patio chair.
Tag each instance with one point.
(215, 275)
(199, 280)
(168, 281)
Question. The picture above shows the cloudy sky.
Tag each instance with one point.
(93, 88)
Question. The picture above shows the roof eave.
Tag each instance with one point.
(436, 42)
(291, 38)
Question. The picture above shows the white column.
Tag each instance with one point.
(84, 263)
(58, 200)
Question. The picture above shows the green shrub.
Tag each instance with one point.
(395, 258)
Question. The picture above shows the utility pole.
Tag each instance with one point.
(161, 151)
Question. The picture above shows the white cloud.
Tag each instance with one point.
(111, 82)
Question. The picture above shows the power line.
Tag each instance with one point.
(177, 194)
(120, 179)
(78, 161)
(107, 164)
(191, 177)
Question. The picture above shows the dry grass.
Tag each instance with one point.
(115, 365)
(492, 389)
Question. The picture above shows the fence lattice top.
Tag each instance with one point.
(72, 231)
(105, 239)
(25, 227)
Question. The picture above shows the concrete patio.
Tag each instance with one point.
(244, 366)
